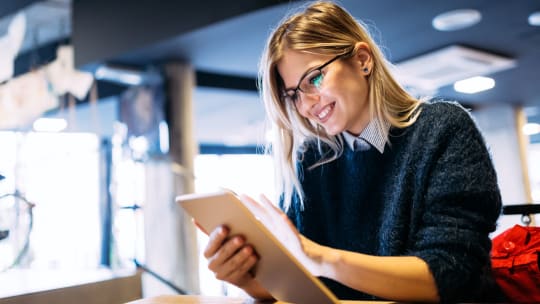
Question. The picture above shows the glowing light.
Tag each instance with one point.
(119, 75)
(534, 19)
(49, 124)
(474, 84)
(456, 20)
(531, 128)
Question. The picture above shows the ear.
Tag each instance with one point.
(363, 57)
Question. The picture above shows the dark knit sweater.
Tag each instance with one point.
(433, 194)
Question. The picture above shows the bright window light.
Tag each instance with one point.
(474, 84)
(61, 175)
(50, 124)
(243, 173)
(531, 128)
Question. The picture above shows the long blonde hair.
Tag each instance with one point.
(327, 29)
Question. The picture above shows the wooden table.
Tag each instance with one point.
(174, 299)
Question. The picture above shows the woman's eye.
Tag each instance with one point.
(316, 80)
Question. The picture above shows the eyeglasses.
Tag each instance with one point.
(310, 83)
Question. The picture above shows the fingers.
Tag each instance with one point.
(237, 266)
(242, 272)
(229, 258)
(215, 240)
(271, 207)
(265, 200)
(277, 212)
(225, 253)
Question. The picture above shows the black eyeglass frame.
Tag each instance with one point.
(295, 90)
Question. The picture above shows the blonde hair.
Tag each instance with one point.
(327, 29)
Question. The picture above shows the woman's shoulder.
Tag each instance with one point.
(439, 112)
(440, 107)
(439, 118)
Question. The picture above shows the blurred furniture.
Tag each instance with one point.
(45, 287)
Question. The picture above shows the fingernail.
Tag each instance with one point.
(222, 230)
(238, 240)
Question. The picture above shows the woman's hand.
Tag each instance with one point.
(230, 259)
(402, 278)
(310, 254)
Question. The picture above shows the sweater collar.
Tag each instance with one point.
(371, 134)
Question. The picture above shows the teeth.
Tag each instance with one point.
(324, 113)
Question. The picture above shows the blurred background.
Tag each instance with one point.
(110, 109)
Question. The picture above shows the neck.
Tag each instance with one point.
(363, 120)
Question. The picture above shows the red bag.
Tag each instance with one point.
(515, 262)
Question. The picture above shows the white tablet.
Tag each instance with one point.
(277, 270)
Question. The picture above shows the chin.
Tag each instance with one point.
(332, 131)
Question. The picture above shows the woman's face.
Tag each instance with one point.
(341, 101)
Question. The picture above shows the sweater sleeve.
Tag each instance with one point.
(461, 205)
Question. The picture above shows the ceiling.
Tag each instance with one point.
(231, 45)
(403, 28)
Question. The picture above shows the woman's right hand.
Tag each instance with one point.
(230, 258)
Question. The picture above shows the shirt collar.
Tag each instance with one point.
(371, 134)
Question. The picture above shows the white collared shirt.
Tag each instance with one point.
(370, 136)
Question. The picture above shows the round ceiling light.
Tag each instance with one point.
(456, 20)
(534, 19)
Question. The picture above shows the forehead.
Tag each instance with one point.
(294, 64)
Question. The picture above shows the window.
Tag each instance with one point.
(249, 174)
(59, 172)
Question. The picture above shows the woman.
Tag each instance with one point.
(393, 197)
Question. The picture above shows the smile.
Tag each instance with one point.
(324, 114)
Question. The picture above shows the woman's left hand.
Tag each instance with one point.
(307, 252)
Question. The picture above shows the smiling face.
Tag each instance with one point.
(341, 103)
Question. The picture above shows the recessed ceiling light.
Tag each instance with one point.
(474, 84)
(429, 72)
(456, 19)
(534, 19)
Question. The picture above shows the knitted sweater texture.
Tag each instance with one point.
(432, 194)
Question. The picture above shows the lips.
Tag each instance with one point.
(325, 113)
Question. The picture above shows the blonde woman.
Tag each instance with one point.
(392, 197)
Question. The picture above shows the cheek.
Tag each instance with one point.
(354, 86)
(342, 82)
(301, 109)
